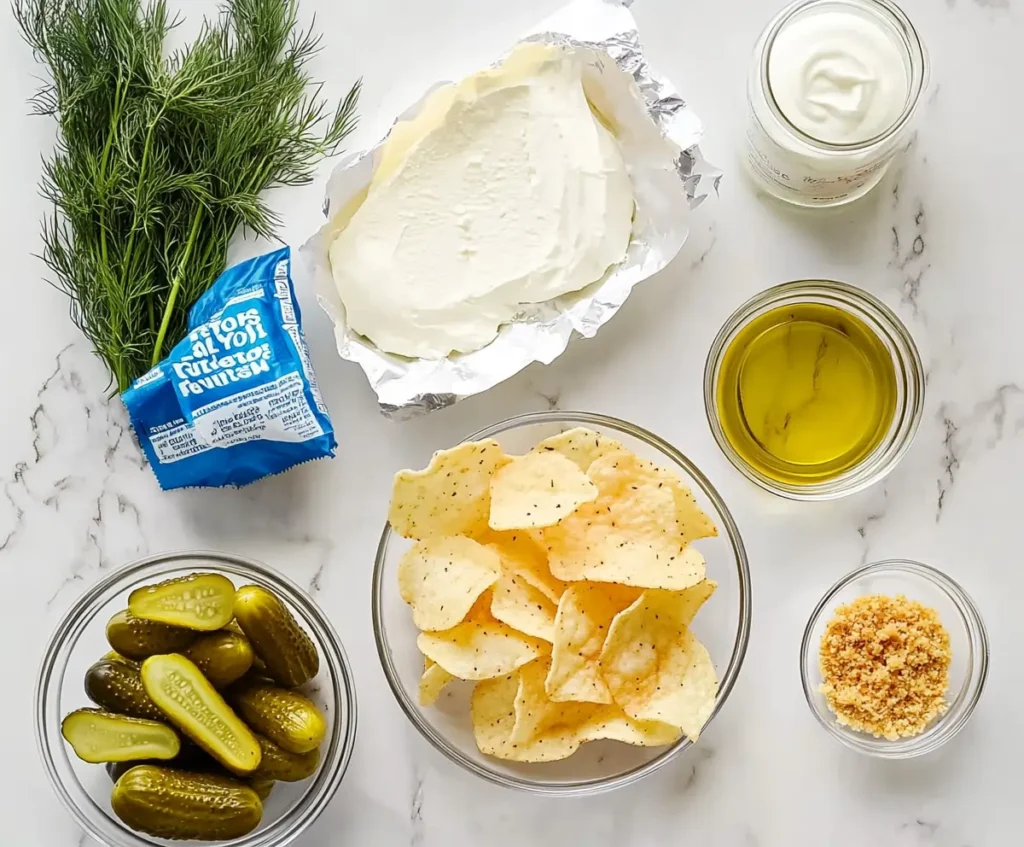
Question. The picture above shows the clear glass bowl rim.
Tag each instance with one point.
(877, 465)
(728, 680)
(960, 711)
(309, 806)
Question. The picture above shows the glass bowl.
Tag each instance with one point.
(80, 640)
(723, 625)
(967, 638)
(906, 361)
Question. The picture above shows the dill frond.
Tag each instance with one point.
(160, 160)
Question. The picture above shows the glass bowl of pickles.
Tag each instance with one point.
(196, 697)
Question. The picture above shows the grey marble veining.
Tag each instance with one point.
(939, 241)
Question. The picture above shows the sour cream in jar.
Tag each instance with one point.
(832, 89)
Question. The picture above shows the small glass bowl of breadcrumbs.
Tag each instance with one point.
(894, 659)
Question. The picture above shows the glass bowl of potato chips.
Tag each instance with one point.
(561, 603)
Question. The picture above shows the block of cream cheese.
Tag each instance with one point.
(236, 399)
(504, 190)
(656, 134)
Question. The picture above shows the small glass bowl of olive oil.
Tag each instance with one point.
(814, 389)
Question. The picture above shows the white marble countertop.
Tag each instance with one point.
(939, 241)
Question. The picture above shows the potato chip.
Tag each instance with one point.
(451, 496)
(562, 583)
(522, 557)
(610, 722)
(481, 609)
(693, 523)
(494, 718)
(582, 446)
(536, 713)
(655, 668)
(517, 603)
(432, 682)
(538, 489)
(690, 600)
(629, 535)
(585, 613)
(441, 578)
(480, 649)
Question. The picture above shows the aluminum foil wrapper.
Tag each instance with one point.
(658, 134)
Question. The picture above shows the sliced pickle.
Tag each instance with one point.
(135, 638)
(287, 718)
(99, 736)
(280, 765)
(224, 657)
(181, 691)
(201, 601)
(168, 803)
(289, 655)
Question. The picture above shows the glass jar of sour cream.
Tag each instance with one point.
(832, 89)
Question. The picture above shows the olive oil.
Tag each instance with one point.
(806, 392)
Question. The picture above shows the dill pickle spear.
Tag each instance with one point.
(181, 691)
(98, 736)
(200, 601)
(137, 639)
(280, 765)
(117, 687)
(287, 718)
(289, 655)
(167, 803)
(224, 657)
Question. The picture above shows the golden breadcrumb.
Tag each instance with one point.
(885, 665)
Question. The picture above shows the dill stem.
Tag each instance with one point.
(176, 287)
(105, 160)
(126, 262)
(119, 368)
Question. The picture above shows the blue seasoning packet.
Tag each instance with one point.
(236, 400)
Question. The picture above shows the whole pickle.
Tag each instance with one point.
(167, 803)
(181, 691)
(135, 638)
(262, 787)
(115, 770)
(257, 662)
(287, 718)
(280, 765)
(201, 601)
(117, 687)
(98, 736)
(223, 657)
(114, 656)
(289, 655)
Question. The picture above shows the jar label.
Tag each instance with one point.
(798, 177)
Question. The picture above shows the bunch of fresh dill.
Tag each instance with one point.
(161, 157)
